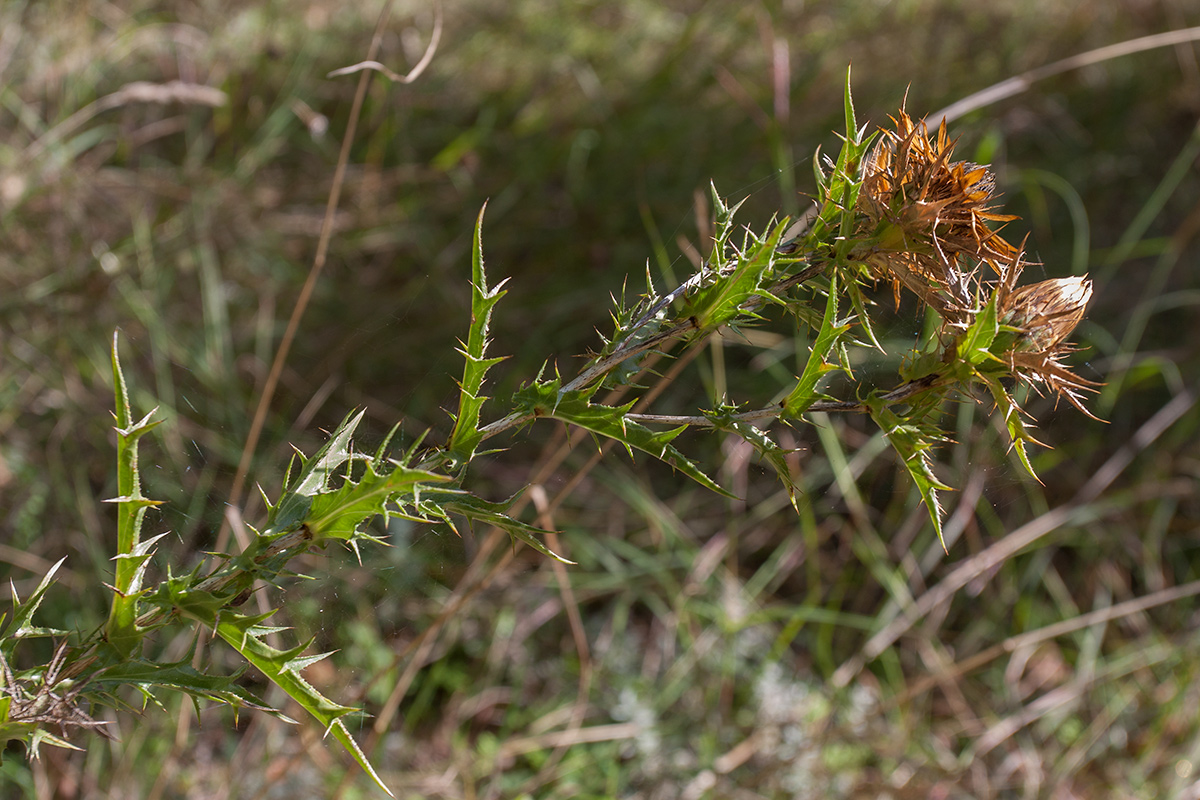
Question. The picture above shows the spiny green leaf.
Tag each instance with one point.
(912, 437)
(832, 329)
(40, 736)
(848, 102)
(293, 507)
(439, 503)
(147, 676)
(282, 668)
(631, 327)
(724, 296)
(974, 347)
(139, 559)
(466, 436)
(720, 209)
(181, 595)
(767, 448)
(121, 630)
(854, 291)
(1018, 431)
(122, 412)
(548, 399)
(338, 513)
(19, 626)
(839, 189)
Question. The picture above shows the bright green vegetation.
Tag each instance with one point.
(765, 609)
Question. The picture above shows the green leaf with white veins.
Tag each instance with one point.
(292, 510)
(338, 513)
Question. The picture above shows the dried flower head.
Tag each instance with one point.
(1044, 315)
(927, 215)
(46, 700)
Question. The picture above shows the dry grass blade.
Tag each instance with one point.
(136, 92)
(1019, 539)
(268, 390)
(415, 72)
(1062, 697)
(1021, 83)
(567, 738)
(1032, 638)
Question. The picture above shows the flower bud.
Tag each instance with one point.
(1046, 312)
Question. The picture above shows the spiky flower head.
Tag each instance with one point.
(1043, 315)
(928, 218)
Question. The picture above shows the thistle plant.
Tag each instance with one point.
(894, 215)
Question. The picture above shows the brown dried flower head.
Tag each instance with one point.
(926, 213)
(1045, 314)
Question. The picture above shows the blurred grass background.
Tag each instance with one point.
(694, 649)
